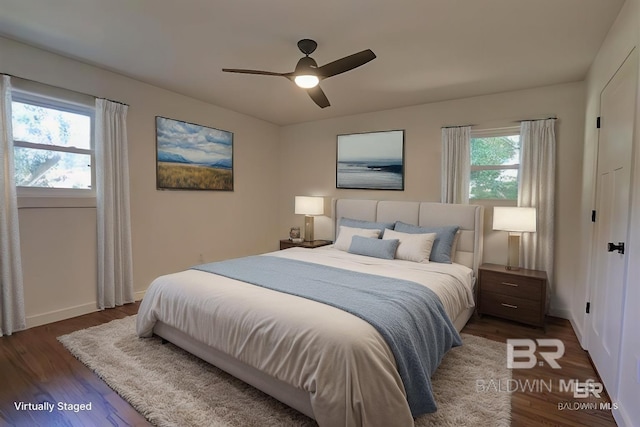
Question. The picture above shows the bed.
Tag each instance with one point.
(323, 361)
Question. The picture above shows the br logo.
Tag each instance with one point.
(526, 353)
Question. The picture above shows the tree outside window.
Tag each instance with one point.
(52, 144)
(495, 161)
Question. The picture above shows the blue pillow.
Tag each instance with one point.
(369, 246)
(370, 225)
(441, 250)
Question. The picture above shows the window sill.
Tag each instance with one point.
(56, 202)
(495, 201)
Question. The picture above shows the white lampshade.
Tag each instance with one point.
(309, 205)
(514, 219)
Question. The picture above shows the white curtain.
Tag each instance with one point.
(536, 189)
(456, 164)
(115, 271)
(12, 317)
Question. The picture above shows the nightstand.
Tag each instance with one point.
(286, 244)
(519, 295)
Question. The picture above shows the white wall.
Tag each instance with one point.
(289, 161)
(171, 230)
(308, 152)
(622, 38)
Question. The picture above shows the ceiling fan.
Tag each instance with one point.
(307, 74)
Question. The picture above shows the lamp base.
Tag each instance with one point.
(308, 228)
(513, 261)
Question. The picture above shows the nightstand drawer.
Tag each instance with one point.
(519, 295)
(522, 287)
(510, 307)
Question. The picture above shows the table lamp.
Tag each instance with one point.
(515, 220)
(309, 206)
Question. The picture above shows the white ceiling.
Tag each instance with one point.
(427, 50)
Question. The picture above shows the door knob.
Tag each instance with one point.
(619, 247)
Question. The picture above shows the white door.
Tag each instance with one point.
(617, 112)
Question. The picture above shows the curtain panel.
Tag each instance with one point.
(12, 315)
(456, 164)
(115, 269)
(536, 189)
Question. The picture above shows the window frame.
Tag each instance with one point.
(490, 133)
(57, 103)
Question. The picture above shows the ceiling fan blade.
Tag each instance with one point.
(263, 73)
(347, 63)
(318, 96)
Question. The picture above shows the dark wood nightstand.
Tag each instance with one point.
(286, 244)
(519, 295)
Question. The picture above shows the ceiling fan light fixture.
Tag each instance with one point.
(307, 81)
(307, 74)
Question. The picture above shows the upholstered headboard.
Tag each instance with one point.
(468, 217)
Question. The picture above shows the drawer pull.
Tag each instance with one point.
(510, 284)
(509, 305)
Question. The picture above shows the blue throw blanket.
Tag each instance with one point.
(409, 316)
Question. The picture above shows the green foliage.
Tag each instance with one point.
(487, 183)
(497, 150)
(42, 167)
(40, 125)
(31, 165)
(493, 184)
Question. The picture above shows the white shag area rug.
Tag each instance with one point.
(170, 387)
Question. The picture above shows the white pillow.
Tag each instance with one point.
(412, 247)
(343, 242)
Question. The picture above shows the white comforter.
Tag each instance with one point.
(339, 359)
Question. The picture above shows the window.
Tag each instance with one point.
(53, 146)
(495, 162)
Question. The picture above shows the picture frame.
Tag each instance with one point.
(193, 157)
(370, 160)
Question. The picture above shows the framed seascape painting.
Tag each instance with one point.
(371, 161)
(193, 157)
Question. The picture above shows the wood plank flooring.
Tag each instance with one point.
(35, 367)
(540, 408)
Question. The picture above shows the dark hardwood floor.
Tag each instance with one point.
(35, 367)
(540, 407)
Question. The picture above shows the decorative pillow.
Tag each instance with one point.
(358, 223)
(441, 250)
(346, 233)
(412, 247)
(374, 247)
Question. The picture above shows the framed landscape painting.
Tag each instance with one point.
(193, 157)
(371, 161)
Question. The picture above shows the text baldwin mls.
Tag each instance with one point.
(49, 407)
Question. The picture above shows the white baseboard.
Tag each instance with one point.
(562, 313)
(57, 315)
(69, 312)
(621, 418)
(577, 329)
